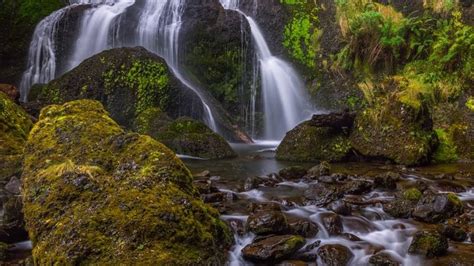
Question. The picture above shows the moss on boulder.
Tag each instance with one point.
(394, 131)
(191, 137)
(94, 194)
(307, 143)
(15, 124)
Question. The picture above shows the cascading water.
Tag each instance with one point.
(158, 30)
(284, 99)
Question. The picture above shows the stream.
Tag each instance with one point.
(365, 231)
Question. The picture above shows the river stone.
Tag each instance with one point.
(382, 259)
(335, 255)
(324, 168)
(262, 223)
(273, 248)
(302, 227)
(307, 143)
(437, 207)
(135, 201)
(387, 181)
(454, 233)
(340, 207)
(429, 244)
(333, 223)
(321, 193)
(292, 172)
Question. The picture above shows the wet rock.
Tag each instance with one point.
(252, 183)
(292, 263)
(205, 173)
(324, 168)
(292, 173)
(265, 207)
(341, 207)
(335, 255)
(357, 187)
(262, 223)
(313, 245)
(399, 208)
(333, 223)
(321, 194)
(429, 244)
(273, 248)
(449, 186)
(307, 143)
(383, 259)
(3, 252)
(350, 237)
(434, 208)
(205, 186)
(387, 181)
(214, 197)
(454, 233)
(237, 226)
(13, 186)
(302, 227)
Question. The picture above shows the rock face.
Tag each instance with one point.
(307, 143)
(191, 137)
(273, 248)
(113, 197)
(394, 132)
(131, 83)
(15, 125)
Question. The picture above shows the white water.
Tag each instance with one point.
(284, 98)
(158, 30)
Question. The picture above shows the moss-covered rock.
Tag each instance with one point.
(94, 194)
(15, 124)
(307, 143)
(394, 131)
(191, 137)
(428, 244)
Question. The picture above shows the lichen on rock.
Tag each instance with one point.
(95, 194)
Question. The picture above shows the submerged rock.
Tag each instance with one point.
(15, 125)
(428, 244)
(111, 196)
(273, 248)
(335, 255)
(191, 137)
(307, 143)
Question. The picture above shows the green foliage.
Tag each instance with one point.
(33, 11)
(301, 35)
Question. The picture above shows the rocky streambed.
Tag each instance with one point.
(340, 214)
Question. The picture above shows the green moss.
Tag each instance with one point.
(455, 200)
(446, 151)
(3, 251)
(470, 104)
(301, 34)
(294, 242)
(412, 194)
(114, 197)
(15, 125)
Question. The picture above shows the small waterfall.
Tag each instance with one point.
(158, 30)
(41, 66)
(284, 97)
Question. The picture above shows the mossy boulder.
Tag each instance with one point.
(396, 132)
(15, 125)
(307, 143)
(191, 137)
(429, 244)
(94, 194)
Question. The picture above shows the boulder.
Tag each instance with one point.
(335, 255)
(191, 137)
(307, 143)
(273, 248)
(428, 244)
(322, 169)
(273, 222)
(136, 87)
(404, 204)
(394, 131)
(383, 259)
(322, 194)
(387, 181)
(333, 223)
(453, 232)
(292, 173)
(95, 194)
(15, 125)
(437, 207)
(335, 120)
(302, 227)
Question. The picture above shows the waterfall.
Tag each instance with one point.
(158, 30)
(284, 98)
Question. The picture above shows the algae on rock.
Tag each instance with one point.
(95, 194)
